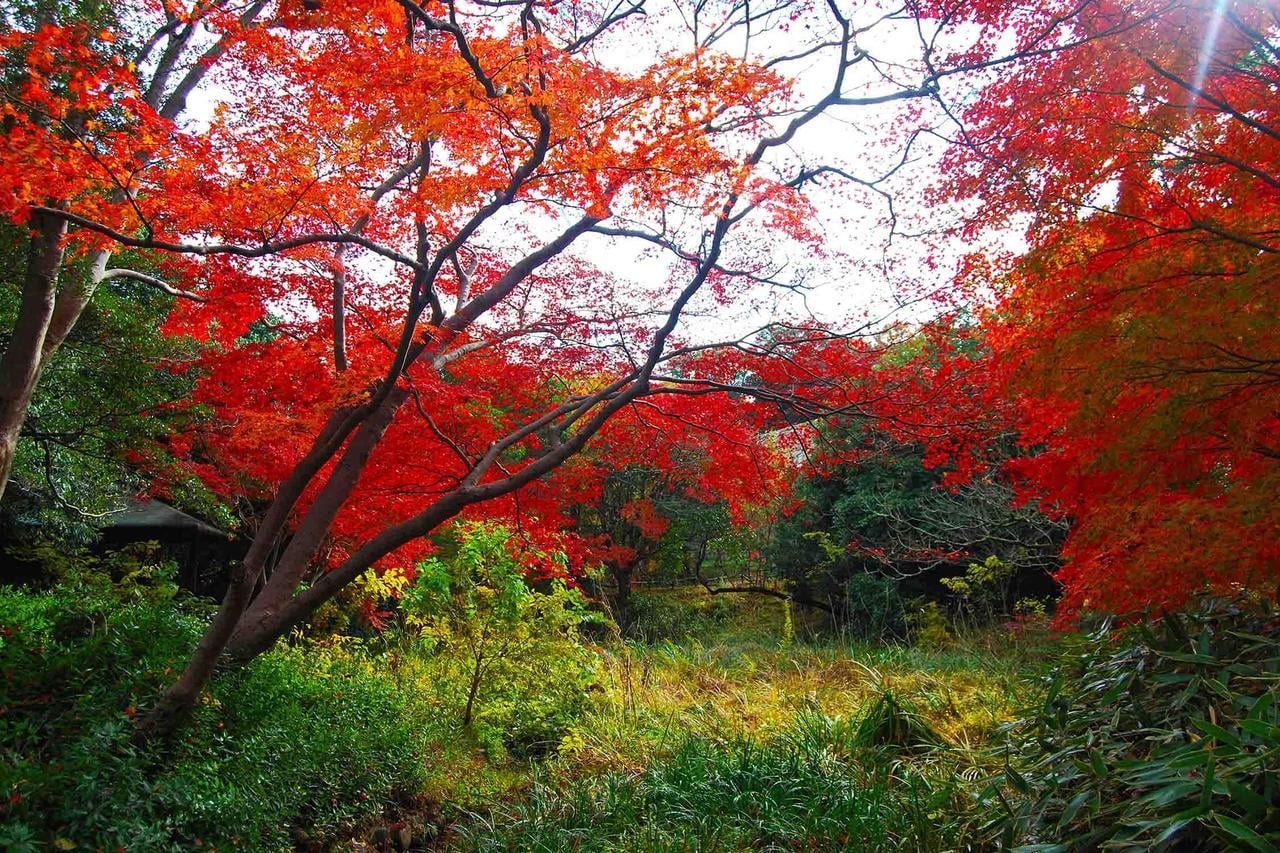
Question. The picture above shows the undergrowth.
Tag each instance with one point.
(737, 739)
(740, 737)
(1162, 737)
(313, 737)
(824, 785)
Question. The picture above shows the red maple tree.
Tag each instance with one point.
(381, 219)
(1137, 339)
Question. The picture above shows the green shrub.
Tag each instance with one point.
(308, 736)
(508, 657)
(76, 663)
(930, 627)
(531, 703)
(983, 591)
(1155, 739)
(311, 736)
(872, 607)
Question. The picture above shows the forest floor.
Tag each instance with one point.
(746, 732)
(730, 726)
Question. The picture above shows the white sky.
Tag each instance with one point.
(862, 274)
(866, 272)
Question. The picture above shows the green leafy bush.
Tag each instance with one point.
(931, 627)
(76, 663)
(1155, 739)
(983, 592)
(310, 736)
(508, 657)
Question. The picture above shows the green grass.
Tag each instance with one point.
(791, 793)
(734, 738)
(742, 677)
(734, 735)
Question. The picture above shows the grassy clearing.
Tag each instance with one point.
(1160, 737)
(748, 681)
(734, 734)
(738, 737)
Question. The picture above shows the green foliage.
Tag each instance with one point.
(508, 656)
(731, 745)
(809, 789)
(872, 607)
(136, 572)
(318, 734)
(1158, 739)
(697, 529)
(98, 425)
(892, 515)
(984, 589)
(931, 627)
(320, 737)
(891, 722)
(1030, 609)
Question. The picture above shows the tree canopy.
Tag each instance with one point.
(389, 227)
(1136, 339)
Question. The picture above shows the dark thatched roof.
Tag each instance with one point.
(157, 515)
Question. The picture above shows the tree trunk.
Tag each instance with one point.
(177, 702)
(471, 694)
(622, 609)
(255, 638)
(22, 361)
(296, 560)
(696, 557)
(181, 697)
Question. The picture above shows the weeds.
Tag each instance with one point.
(802, 791)
(1156, 739)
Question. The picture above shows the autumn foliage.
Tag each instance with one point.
(1137, 339)
(393, 225)
(377, 225)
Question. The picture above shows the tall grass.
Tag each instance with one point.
(817, 789)
(733, 738)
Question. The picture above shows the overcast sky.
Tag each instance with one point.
(864, 271)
